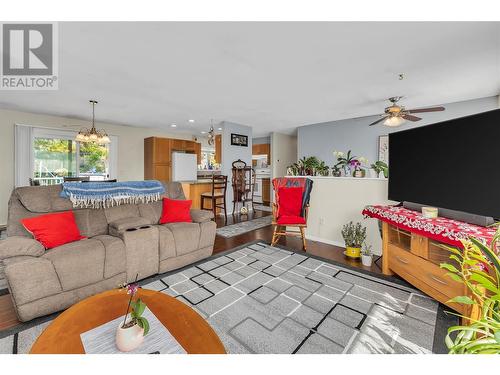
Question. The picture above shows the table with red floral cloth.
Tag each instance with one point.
(440, 229)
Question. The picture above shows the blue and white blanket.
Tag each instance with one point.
(108, 194)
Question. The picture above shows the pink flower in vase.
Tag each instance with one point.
(132, 289)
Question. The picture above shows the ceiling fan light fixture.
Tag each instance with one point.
(393, 121)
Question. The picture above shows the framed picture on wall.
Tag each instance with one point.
(239, 140)
(383, 148)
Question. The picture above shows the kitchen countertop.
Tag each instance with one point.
(199, 181)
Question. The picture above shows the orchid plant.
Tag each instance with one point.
(136, 309)
(349, 160)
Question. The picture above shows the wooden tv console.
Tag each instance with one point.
(416, 259)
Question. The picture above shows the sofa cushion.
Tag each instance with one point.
(32, 279)
(121, 212)
(54, 229)
(91, 222)
(41, 199)
(167, 243)
(115, 256)
(200, 216)
(17, 246)
(186, 237)
(151, 211)
(78, 263)
(176, 211)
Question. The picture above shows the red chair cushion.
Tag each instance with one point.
(289, 201)
(290, 220)
(175, 211)
(53, 230)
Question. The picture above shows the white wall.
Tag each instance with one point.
(337, 200)
(233, 153)
(354, 134)
(130, 146)
(283, 153)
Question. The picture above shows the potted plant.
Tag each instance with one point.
(322, 169)
(477, 266)
(130, 333)
(336, 171)
(380, 167)
(354, 236)
(366, 255)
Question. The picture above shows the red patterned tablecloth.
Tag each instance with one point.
(440, 229)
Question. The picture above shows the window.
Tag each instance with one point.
(54, 154)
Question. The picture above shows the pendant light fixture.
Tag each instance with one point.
(93, 135)
(211, 133)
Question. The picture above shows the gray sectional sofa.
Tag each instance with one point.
(123, 241)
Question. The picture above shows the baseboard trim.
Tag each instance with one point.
(324, 240)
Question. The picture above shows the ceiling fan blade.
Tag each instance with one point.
(430, 109)
(411, 118)
(379, 120)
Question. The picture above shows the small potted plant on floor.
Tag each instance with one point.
(130, 333)
(366, 255)
(354, 236)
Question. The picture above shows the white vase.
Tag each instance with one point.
(372, 173)
(128, 339)
(366, 260)
(381, 175)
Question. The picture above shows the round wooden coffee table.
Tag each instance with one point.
(188, 328)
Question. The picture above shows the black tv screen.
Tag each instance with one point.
(453, 164)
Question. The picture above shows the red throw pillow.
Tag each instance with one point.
(53, 230)
(290, 201)
(175, 211)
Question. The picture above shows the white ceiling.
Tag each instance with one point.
(271, 76)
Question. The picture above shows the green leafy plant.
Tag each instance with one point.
(136, 309)
(380, 166)
(478, 267)
(309, 166)
(354, 234)
(322, 169)
(367, 249)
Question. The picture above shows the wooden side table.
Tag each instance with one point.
(192, 332)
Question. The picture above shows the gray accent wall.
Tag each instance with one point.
(354, 134)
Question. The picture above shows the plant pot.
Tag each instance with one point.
(128, 339)
(352, 252)
(381, 175)
(366, 260)
(372, 173)
(359, 173)
(336, 173)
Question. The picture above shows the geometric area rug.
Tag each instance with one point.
(263, 299)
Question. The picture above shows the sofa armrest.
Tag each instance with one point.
(201, 216)
(20, 246)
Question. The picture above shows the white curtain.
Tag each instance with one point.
(23, 154)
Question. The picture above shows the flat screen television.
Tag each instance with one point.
(453, 164)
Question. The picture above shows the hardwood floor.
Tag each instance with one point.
(8, 317)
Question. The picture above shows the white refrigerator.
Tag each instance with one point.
(184, 167)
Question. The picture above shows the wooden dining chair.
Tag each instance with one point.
(218, 193)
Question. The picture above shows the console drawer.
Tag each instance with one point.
(404, 262)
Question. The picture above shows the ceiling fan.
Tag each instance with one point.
(396, 114)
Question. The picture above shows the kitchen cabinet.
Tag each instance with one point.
(263, 149)
(218, 149)
(158, 156)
